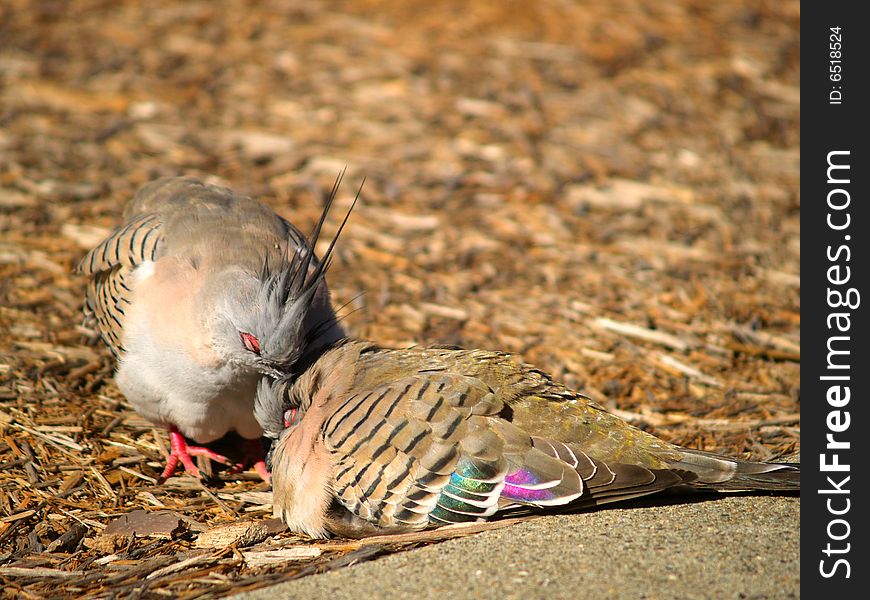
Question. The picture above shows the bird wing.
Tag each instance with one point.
(539, 405)
(438, 448)
(109, 266)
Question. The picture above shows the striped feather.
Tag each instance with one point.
(108, 293)
(432, 448)
(133, 243)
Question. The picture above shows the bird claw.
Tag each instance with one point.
(182, 452)
(255, 456)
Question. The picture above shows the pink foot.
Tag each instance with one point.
(181, 451)
(255, 456)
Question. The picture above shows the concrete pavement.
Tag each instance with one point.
(725, 547)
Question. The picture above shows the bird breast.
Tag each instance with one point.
(304, 489)
(170, 372)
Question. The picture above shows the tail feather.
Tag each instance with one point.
(720, 473)
(627, 484)
(604, 482)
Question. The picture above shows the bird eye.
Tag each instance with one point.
(290, 417)
(251, 342)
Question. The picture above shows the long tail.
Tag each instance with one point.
(720, 473)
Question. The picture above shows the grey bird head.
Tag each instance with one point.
(277, 409)
(285, 314)
(269, 405)
(269, 411)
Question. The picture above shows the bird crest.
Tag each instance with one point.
(290, 289)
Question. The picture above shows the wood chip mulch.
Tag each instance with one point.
(609, 189)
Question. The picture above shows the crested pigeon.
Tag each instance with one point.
(369, 440)
(189, 295)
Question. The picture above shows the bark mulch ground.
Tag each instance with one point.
(609, 189)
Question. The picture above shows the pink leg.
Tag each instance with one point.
(180, 451)
(254, 455)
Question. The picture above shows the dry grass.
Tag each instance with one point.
(610, 190)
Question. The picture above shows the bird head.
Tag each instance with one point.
(277, 409)
(272, 322)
